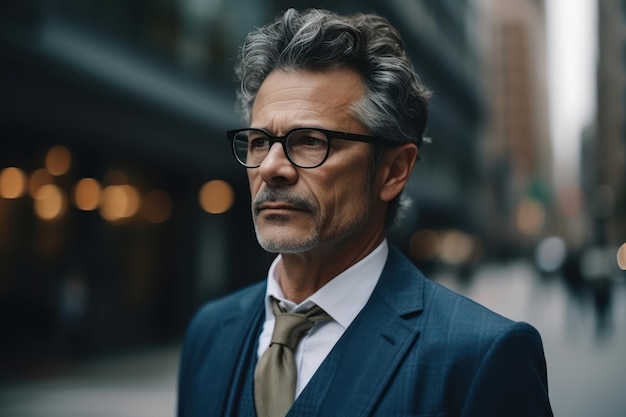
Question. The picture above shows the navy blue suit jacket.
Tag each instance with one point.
(416, 349)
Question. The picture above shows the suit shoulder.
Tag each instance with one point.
(441, 306)
(470, 332)
(215, 310)
(208, 323)
(469, 322)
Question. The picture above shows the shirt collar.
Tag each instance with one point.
(344, 296)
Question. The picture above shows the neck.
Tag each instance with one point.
(300, 275)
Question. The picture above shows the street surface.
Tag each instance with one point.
(130, 385)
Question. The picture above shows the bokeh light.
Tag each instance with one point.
(49, 202)
(58, 160)
(115, 177)
(133, 200)
(456, 247)
(550, 254)
(157, 206)
(87, 194)
(530, 217)
(38, 179)
(621, 257)
(12, 183)
(216, 197)
(424, 245)
(119, 202)
(113, 204)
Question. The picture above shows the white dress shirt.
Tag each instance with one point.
(342, 298)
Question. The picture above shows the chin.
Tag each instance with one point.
(281, 243)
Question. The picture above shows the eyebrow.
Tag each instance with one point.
(292, 128)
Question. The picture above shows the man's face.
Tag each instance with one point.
(297, 209)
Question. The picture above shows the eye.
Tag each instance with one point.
(312, 141)
(308, 139)
(257, 141)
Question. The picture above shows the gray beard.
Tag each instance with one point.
(314, 238)
(289, 245)
(286, 245)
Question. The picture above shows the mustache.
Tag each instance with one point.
(273, 195)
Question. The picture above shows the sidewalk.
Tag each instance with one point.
(142, 384)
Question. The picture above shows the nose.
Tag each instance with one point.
(276, 168)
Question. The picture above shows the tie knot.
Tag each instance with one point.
(290, 327)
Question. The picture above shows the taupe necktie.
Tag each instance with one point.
(275, 379)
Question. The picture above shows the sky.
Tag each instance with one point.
(572, 52)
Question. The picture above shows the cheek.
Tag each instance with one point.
(350, 188)
(347, 197)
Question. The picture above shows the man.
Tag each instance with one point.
(337, 117)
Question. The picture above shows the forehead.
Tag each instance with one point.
(290, 99)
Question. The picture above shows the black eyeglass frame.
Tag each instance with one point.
(330, 135)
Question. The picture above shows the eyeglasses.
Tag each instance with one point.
(304, 147)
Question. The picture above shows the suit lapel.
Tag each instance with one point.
(356, 372)
(241, 328)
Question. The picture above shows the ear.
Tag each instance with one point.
(395, 170)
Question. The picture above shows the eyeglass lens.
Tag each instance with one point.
(305, 148)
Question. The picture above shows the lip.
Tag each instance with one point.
(278, 206)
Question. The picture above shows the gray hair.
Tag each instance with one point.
(395, 102)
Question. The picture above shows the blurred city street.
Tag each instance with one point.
(585, 352)
(131, 385)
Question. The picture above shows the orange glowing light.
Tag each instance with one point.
(58, 160)
(38, 179)
(216, 197)
(114, 203)
(133, 200)
(49, 202)
(12, 183)
(119, 202)
(87, 194)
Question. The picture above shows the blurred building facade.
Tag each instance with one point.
(605, 151)
(121, 210)
(517, 147)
